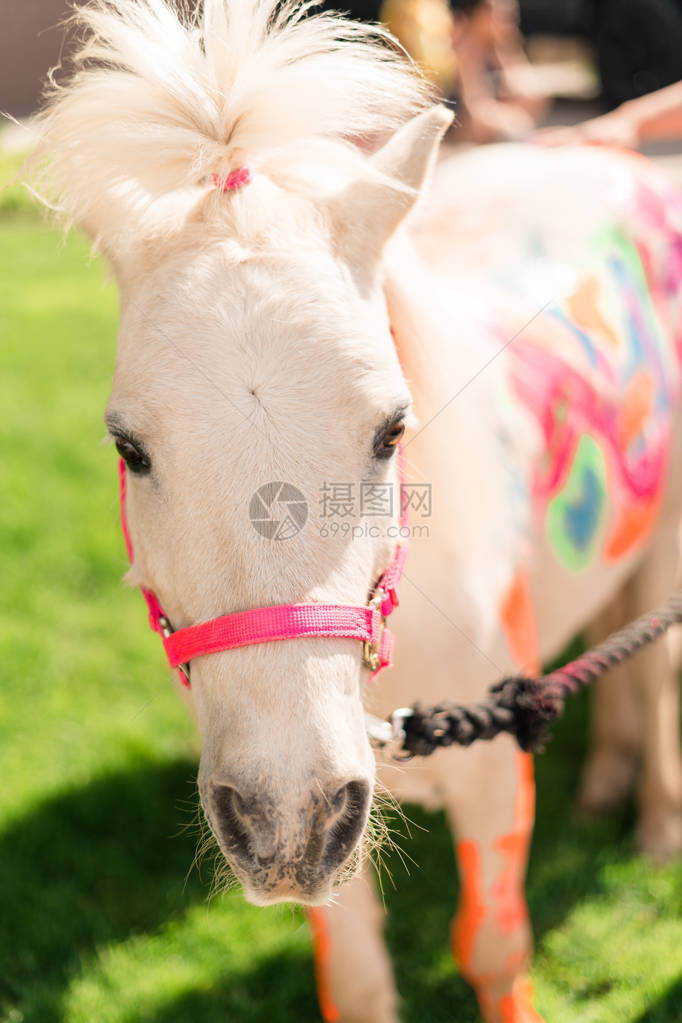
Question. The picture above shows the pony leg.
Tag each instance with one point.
(492, 813)
(615, 726)
(353, 971)
(655, 671)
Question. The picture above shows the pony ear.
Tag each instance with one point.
(366, 213)
(408, 156)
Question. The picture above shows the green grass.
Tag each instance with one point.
(98, 924)
(14, 196)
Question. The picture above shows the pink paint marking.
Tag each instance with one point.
(547, 384)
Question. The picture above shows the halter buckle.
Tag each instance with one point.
(371, 657)
(371, 649)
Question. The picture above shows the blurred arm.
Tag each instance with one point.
(652, 118)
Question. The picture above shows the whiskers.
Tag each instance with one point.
(387, 824)
(208, 858)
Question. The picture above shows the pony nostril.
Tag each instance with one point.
(339, 798)
(253, 839)
(349, 807)
(233, 832)
(238, 803)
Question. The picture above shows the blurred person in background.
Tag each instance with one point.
(472, 50)
(427, 30)
(653, 118)
(501, 96)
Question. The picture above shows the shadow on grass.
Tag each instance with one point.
(90, 866)
(668, 1009)
(97, 865)
(270, 993)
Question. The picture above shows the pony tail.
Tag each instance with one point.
(161, 99)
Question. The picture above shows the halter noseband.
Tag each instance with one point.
(366, 623)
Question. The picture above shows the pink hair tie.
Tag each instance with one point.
(234, 180)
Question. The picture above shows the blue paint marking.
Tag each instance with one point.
(637, 328)
(581, 519)
(585, 340)
(643, 346)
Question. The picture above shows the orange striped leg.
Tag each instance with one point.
(353, 972)
(490, 934)
(317, 919)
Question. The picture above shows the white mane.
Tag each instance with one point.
(160, 100)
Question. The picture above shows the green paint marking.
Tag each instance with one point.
(576, 514)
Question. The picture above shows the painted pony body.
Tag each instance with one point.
(584, 305)
(280, 331)
(573, 490)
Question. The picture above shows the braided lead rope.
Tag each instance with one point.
(526, 707)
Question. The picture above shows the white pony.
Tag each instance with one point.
(523, 323)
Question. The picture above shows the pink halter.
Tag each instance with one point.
(287, 621)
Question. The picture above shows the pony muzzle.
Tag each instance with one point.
(292, 854)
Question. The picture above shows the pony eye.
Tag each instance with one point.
(389, 440)
(133, 456)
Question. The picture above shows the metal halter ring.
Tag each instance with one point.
(167, 630)
(389, 735)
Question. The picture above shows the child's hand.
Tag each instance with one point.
(615, 129)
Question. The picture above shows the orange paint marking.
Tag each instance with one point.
(518, 622)
(471, 911)
(517, 1007)
(486, 1001)
(633, 527)
(583, 306)
(322, 948)
(524, 810)
(636, 408)
(507, 891)
(507, 896)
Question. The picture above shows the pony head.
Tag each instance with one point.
(254, 349)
